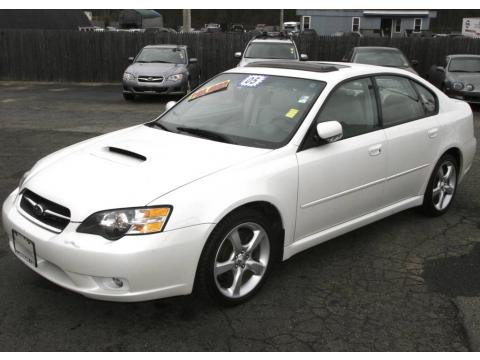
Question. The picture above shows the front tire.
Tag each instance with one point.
(128, 97)
(237, 258)
(442, 186)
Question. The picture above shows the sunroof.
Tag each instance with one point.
(297, 65)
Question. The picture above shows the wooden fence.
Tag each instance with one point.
(74, 56)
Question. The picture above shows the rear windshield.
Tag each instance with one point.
(381, 57)
(267, 50)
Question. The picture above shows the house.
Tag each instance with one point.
(389, 23)
(139, 19)
(43, 19)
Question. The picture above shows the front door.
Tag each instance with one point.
(386, 27)
(343, 180)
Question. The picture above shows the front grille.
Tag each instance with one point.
(154, 79)
(46, 212)
(149, 89)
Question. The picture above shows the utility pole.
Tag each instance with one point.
(187, 20)
(281, 19)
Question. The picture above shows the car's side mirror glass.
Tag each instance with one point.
(169, 105)
(238, 55)
(193, 60)
(303, 57)
(330, 131)
(414, 62)
(130, 59)
(440, 68)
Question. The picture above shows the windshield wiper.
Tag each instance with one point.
(158, 125)
(207, 134)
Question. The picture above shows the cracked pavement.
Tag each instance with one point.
(404, 283)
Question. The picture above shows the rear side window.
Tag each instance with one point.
(353, 105)
(427, 99)
(399, 100)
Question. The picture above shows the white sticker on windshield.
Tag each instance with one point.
(253, 80)
(303, 99)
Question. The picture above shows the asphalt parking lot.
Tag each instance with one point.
(407, 282)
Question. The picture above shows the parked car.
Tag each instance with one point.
(382, 56)
(291, 27)
(161, 70)
(458, 77)
(237, 28)
(212, 28)
(270, 47)
(258, 164)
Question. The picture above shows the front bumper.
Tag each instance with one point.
(150, 266)
(472, 97)
(166, 87)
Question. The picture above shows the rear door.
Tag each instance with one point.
(409, 116)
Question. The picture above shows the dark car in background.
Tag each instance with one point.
(458, 77)
(161, 69)
(381, 56)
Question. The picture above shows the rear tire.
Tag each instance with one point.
(442, 187)
(237, 258)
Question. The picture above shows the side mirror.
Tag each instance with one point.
(238, 55)
(329, 131)
(440, 69)
(303, 57)
(130, 59)
(193, 60)
(169, 105)
(414, 62)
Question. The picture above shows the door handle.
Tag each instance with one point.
(375, 150)
(432, 133)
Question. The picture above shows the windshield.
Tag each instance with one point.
(162, 55)
(266, 50)
(464, 65)
(251, 110)
(381, 58)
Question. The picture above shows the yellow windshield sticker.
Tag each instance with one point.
(291, 113)
(209, 90)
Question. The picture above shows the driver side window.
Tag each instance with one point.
(352, 104)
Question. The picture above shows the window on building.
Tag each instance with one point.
(306, 22)
(398, 25)
(417, 25)
(355, 24)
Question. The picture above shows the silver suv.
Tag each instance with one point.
(270, 47)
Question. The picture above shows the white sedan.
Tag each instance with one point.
(258, 164)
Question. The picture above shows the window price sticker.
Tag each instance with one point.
(252, 81)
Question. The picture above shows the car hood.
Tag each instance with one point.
(246, 61)
(466, 78)
(149, 164)
(154, 69)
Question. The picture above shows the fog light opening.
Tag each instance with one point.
(118, 282)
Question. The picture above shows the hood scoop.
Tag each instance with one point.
(129, 153)
(119, 155)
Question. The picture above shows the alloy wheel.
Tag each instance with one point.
(241, 260)
(444, 185)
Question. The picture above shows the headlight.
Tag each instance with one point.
(469, 87)
(128, 76)
(175, 77)
(22, 180)
(113, 224)
(458, 85)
